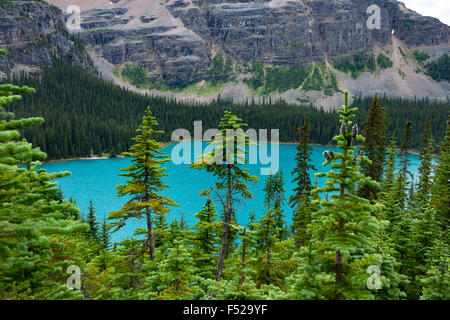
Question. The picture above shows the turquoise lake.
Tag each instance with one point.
(96, 180)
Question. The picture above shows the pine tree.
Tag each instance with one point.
(306, 283)
(440, 190)
(175, 275)
(300, 200)
(266, 234)
(425, 230)
(402, 175)
(425, 168)
(145, 181)
(104, 239)
(344, 231)
(225, 161)
(303, 165)
(274, 199)
(205, 240)
(33, 219)
(388, 182)
(93, 231)
(300, 221)
(160, 222)
(374, 147)
(436, 280)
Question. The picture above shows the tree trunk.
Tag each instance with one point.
(226, 231)
(150, 239)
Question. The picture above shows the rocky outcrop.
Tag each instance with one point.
(31, 33)
(176, 40)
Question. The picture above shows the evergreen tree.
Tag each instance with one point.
(300, 222)
(274, 199)
(266, 234)
(436, 280)
(93, 231)
(205, 240)
(374, 147)
(425, 168)
(33, 219)
(440, 190)
(300, 200)
(402, 175)
(303, 165)
(160, 222)
(104, 239)
(425, 229)
(175, 275)
(388, 182)
(225, 161)
(344, 231)
(145, 181)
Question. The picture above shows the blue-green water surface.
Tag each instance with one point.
(96, 180)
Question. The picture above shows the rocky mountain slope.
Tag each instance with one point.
(297, 50)
(32, 32)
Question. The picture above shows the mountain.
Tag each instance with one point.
(299, 50)
(32, 32)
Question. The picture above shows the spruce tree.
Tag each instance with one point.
(303, 165)
(425, 169)
(33, 219)
(374, 147)
(300, 200)
(225, 162)
(388, 183)
(403, 173)
(441, 186)
(205, 240)
(104, 239)
(266, 234)
(344, 232)
(435, 283)
(93, 231)
(145, 184)
(274, 199)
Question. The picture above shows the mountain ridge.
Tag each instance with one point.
(292, 50)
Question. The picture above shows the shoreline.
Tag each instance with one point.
(166, 144)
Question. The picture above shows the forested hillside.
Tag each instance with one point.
(84, 113)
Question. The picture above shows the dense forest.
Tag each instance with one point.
(368, 233)
(85, 114)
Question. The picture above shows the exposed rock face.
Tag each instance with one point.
(32, 32)
(177, 39)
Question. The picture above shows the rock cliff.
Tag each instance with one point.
(171, 45)
(32, 32)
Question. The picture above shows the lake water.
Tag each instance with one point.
(96, 180)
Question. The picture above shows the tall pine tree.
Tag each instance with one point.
(374, 147)
(225, 162)
(145, 184)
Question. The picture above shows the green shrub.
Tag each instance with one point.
(384, 62)
(439, 69)
(136, 75)
(356, 63)
(420, 56)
